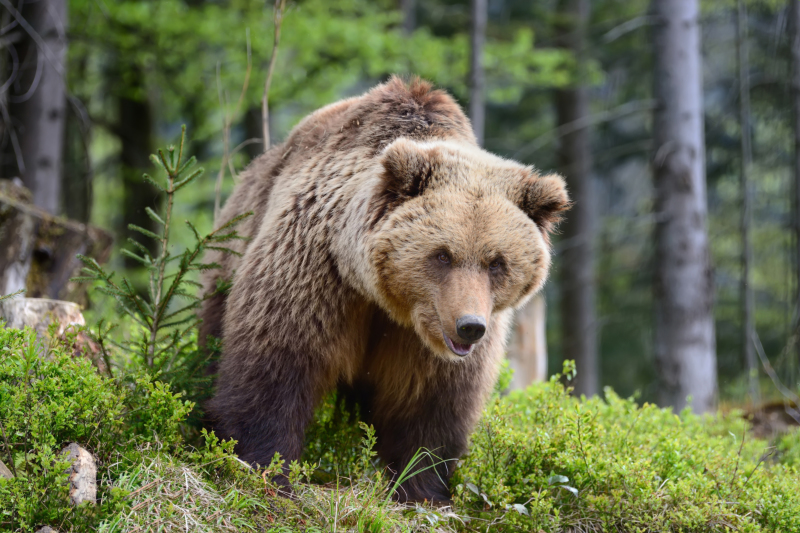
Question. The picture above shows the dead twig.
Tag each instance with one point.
(277, 17)
(226, 129)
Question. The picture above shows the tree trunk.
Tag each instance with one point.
(684, 329)
(135, 130)
(77, 176)
(577, 260)
(37, 249)
(6, 73)
(252, 131)
(409, 8)
(527, 351)
(477, 77)
(794, 26)
(17, 237)
(77, 172)
(746, 291)
(39, 109)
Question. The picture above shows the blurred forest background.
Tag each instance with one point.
(90, 88)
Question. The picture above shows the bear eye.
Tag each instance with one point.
(443, 258)
(495, 265)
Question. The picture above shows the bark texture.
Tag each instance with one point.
(745, 192)
(37, 249)
(477, 77)
(577, 260)
(684, 327)
(39, 109)
(794, 25)
(409, 8)
(135, 131)
(17, 237)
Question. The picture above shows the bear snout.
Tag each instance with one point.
(471, 328)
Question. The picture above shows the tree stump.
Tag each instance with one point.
(37, 249)
(39, 313)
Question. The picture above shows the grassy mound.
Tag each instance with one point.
(539, 460)
(561, 463)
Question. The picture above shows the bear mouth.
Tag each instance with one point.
(457, 348)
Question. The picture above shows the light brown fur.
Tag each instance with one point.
(344, 281)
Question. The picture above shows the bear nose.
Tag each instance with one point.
(471, 327)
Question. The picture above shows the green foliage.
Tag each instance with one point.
(161, 343)
(547, 460)
(540, 459)
(789, 449)
(332, 440)
(504, 378)
(48, 398)
(12, 295)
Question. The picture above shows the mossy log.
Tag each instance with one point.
(38, 250)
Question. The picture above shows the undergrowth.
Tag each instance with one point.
(539, 460)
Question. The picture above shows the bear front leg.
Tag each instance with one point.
(265, 401)
(438, 422)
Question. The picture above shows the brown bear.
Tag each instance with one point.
(387, 254)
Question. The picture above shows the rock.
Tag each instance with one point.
(39, 313)
(46, 529)
(4, 471)
(83, 475)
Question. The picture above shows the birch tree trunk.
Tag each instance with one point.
(684, 330)
(577, 260)
(40, 106)
(477, 77)
(746, 291)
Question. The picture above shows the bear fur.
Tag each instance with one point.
(377, 225)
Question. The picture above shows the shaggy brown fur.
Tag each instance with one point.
(378, 224)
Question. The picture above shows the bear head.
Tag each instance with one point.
(464, 236)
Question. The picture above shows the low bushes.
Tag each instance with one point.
(554, 462)
(540, 459)
(49, 398)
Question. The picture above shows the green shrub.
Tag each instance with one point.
(48, 398)
(160, 335)
(551, 461)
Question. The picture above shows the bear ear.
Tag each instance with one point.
(409, 168)
(544, 199)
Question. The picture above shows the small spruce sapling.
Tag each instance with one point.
(166, 314)
(12, 295)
